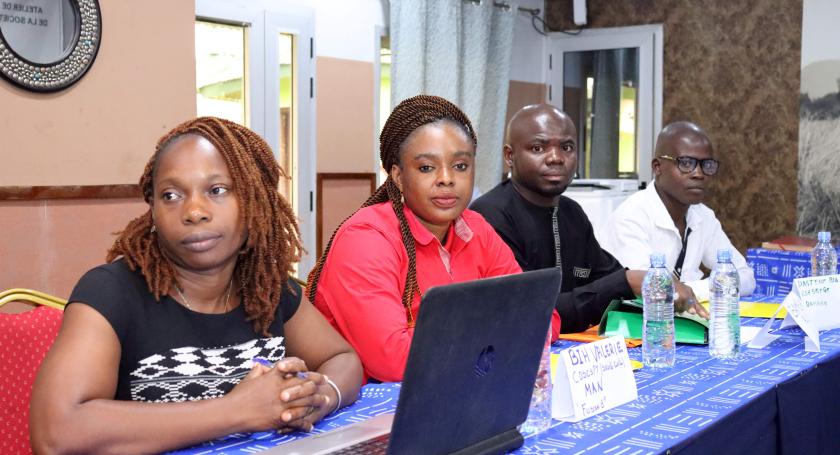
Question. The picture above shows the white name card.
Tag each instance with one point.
(592, 378)
(813, 304)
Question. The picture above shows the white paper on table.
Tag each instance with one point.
(821, 298)
(813, 304)
(764, 337)
(592, 378)
(748, 333)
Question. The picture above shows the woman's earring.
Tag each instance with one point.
(402, 199)
(153, 229)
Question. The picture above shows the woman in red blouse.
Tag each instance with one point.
(415, 232)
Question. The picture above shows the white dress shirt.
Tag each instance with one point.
(641, 225)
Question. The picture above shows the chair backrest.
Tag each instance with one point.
(31, 296)
(25, 339)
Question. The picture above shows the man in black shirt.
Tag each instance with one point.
(545, 229)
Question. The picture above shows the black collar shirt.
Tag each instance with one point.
(560, 236)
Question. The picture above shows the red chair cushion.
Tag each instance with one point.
(25, 339)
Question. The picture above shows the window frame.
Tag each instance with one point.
(649, 40)
(264, 22)
(378, 34)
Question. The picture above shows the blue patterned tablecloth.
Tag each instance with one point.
(674, 407)
(775, 270)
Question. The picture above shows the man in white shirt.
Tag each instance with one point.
(670, 217)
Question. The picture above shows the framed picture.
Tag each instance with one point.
(819, 120)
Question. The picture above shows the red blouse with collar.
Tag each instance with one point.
(361, 285)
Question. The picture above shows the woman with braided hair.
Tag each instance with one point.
(415, 232)
(193, 329)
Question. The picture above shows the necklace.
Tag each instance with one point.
(187, 302)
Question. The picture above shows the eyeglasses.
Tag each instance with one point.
(687, 164)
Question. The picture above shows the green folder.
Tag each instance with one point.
(624, 317)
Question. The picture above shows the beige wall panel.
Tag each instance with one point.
(103, 129)
(521, 94)
(23, 250)
(339, 198)
(345, 118)
(48, 245)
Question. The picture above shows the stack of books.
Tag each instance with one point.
(790, 243)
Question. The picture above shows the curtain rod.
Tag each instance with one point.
(531, 11)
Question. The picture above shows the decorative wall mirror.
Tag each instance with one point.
(48, 45)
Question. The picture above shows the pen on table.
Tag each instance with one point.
(265, 362)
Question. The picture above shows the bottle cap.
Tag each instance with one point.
(657, 260)
(824, 236)
(724, 256)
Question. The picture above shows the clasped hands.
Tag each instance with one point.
(284, 397)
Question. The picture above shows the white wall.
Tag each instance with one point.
(820, 32)
(345, 28)
(528, 60)
(820, 50)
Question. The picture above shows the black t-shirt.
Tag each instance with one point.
(592, 277)
(170, 353)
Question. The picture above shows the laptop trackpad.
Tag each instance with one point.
(340, 437)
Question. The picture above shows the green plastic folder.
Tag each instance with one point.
(624, 317)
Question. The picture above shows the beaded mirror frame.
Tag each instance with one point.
(58, 75)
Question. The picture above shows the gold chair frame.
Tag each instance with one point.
(31, 296)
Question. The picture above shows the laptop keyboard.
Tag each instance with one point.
(375, 446)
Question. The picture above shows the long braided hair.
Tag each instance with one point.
(273, 244)
(406, 118)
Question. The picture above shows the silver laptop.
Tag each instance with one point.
(469, 376)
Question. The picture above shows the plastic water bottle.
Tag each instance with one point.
(539, 414)
(658, 349)
(823, 256)
(724, 301)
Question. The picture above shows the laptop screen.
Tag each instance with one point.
(472, 363)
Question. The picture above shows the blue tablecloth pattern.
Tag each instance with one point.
(675, 409)
(775, 270)
(374, 399)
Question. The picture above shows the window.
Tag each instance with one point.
(600, 94)
(220, 71)
(384, 95)
(384, 80)
(610, 82)
(287, 152)
(255, 66)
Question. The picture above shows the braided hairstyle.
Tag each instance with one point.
(273, 238)
(406, 118)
